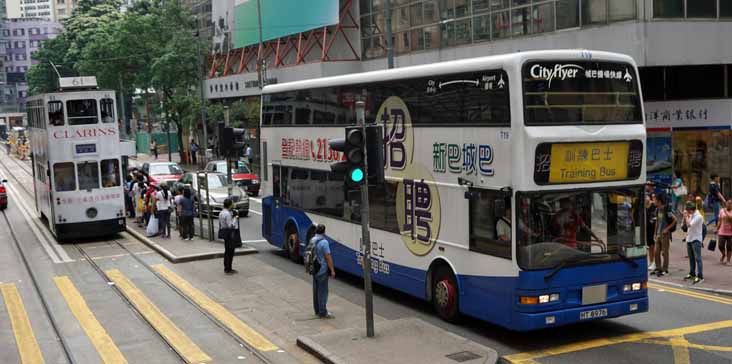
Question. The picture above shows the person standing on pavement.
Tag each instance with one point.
(194, 152)
(650, 231)
(154, 148)
(186, 214)
(665, 225)
(678, 192)
(320, 278)
(249, 154)
(227, 227)
(724, 232)
(162, 206)
(715, 199)
(694, 221)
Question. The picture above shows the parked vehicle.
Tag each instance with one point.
(241, 175)
(162, 172)
(218, 191)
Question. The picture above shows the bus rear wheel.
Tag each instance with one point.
(293, 246)
(445, 294)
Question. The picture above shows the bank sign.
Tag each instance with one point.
(689, 114)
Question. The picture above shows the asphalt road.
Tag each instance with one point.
(681, 327)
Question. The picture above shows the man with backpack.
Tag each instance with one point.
(665, 225)
(319, 262)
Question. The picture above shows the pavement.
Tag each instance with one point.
(717, 277)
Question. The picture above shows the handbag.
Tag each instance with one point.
(712, 245)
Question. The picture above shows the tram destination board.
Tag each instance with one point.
(87, 148)
(568, 163)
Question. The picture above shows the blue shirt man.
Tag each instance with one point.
(320, 279)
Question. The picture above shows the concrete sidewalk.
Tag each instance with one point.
(717, 277)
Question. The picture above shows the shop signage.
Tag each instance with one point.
(689, 114)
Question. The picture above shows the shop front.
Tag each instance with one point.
(693, 139)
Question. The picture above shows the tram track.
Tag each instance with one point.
(103, 275)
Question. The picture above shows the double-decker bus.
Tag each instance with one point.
(513, 187)
(76, 160)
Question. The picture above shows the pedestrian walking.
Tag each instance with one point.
(694, 222)
(714, 198)
(249, 153)
(651, 231)
(665, 225)
(227, 227)
(154, 148)
(187, 213)
(162, 206)
(324, 266)
(724, 233)
(194, 152)
(678, 192)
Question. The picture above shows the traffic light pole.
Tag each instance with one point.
(365, 235)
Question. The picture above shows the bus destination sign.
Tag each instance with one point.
(567, 163)
(90, 148)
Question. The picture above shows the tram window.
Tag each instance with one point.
(107, 108)
(110, 173)
(63, 177)
(56, 113)
(88, 175)
(82, 112)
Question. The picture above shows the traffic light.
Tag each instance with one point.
(231, 140)
(352, 147)
(375, 154)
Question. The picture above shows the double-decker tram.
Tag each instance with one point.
(76, 160)
(513, 188)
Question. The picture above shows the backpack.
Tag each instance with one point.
(312, 265)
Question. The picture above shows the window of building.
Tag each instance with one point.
(500, 24)
(107, 109)
(668, 8)
(594, 11)
(567, 14)
(63, 177)
(694, 82)
(110, 173)
(490, 223)
(521, 21)
(622, 10)
(81, 112)
(701, 9)
(542, 18)
(725, 8)
(56, 113)
(482, 28)
(88, 175)
(652, 83)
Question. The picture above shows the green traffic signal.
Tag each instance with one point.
(357, 175)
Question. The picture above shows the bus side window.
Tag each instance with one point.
(110, 173)
(88, 174)
(63, 177)
(107, 109)
(489, 233)
(56, 113)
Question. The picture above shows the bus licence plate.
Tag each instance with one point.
(586, 315)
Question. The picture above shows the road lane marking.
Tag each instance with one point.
(104, 344)
(256, 212)
(530, 356)
(681, 351)
(258, 200)
(28, 349)
(684, 292)
(187, 349)
(690, 345)
(239, 328)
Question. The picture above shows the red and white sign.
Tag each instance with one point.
(84, 133)
(307, 149)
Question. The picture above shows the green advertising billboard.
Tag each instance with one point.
(281, 18)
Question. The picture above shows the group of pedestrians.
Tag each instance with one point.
(665, 212)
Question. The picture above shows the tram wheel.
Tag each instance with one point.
(445, 297)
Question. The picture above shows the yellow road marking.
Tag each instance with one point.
(688, 293)
(106, 348)
(596, 343)
(690, 345)
(218, 311)
(28, 348)
(162, 324)
(681, 351)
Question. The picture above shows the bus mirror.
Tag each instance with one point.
(471, 195)
(499, 207)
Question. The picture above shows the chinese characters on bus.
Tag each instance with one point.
(89, 199)
(307, 149)
(468, 158)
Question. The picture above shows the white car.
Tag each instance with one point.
(217, 193)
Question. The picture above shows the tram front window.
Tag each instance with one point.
(578, 226)
(88, 175)
(82, 112)
(110, 173)
(107, 107)
(63, 177)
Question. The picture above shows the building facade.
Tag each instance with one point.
(63, 9)
(30, 9)
(21, 37)
(682, 47)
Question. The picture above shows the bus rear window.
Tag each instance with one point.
(81, 112)
(580, 92)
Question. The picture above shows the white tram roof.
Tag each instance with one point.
(77, 83)
(464, 65)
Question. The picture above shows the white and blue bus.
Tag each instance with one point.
(513, 189)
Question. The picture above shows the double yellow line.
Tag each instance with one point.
(688, 293)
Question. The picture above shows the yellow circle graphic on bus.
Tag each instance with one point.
(394, 115)
(418, 210)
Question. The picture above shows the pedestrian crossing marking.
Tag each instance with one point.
(182, 344)
(106, 348)
(28, 349)
(675, 334)
(239, 328)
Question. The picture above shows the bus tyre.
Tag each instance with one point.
(445, 294)
(293, 246)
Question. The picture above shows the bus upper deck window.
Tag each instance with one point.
(56, 113)
(63, 177)
(107, 109)
(82, 112)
